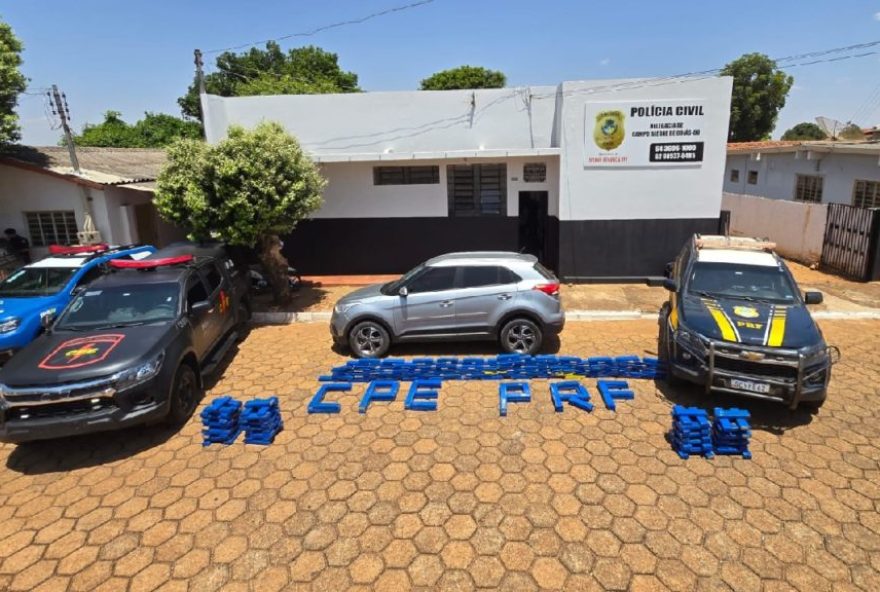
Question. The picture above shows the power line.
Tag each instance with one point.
(323, 28)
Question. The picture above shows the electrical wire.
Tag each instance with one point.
(323, 28)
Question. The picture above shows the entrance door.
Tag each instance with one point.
(146, 224)
(533, 223)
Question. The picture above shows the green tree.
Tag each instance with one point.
(12, 83)
(270, 71)
(759, 92)
(851, 132)
(155, 130)
(246, 190)
(464, 77)
(804, 131)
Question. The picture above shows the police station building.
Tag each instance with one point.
(599, 179)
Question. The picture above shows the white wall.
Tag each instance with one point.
(350, 192)
(797, 228)
(402, 122)
(650, 192)
(777, 173)
(23, 190)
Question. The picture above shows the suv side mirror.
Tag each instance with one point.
(199, 307)
(670, 284)
(813, 298)
(46, 320)
(403, 291)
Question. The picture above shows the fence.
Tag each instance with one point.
(851, 242)
(797, 228)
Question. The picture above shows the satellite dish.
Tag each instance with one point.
(831, 127)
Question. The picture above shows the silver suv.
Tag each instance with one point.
(456, 297)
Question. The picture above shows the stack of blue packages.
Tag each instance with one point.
(220, 421)
(501, 367)
(731, 432)
(691, 432)
(261, 421)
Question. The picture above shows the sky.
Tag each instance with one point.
(137, 55)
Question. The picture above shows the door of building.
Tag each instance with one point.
(146, 223)
(533, 223)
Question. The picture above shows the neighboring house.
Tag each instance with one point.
(598, 179)
(44, 200)
(817, 172)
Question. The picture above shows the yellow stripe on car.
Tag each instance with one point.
(777, 327)
(728, 333)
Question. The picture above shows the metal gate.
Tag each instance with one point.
(850, 242)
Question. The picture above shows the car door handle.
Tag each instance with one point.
(446, 304)
(504, 297)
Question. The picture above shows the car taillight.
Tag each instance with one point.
(549, 289)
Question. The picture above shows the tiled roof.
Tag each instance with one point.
(106, 166)
(762, 145)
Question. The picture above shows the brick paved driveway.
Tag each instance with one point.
(459, 498)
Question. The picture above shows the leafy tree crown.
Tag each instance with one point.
(759, 92)
(271, 71)
(804, 131)
(464, 77)
(12, 83)
(155, 130)
(253, 184)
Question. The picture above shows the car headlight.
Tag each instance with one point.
(815, 354)
(344, 307)
(691, 340)
(132, 377)
(10, 325)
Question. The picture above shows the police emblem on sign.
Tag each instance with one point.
(83, 351)
(609, 133)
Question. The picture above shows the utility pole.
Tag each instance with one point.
(90, 234)
(60, 108)
(200, 74)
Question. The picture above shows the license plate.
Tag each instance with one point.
(748, 385)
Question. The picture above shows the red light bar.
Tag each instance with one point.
(77, 249)
(149, 263)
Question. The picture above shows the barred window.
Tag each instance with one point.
(52, 228)
(866, 194)
(752, 179)
(808, 188)
(734, 175)
(477, 190)
(406, 175)
(534, 172)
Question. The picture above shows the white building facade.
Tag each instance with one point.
(598, 179)
(815, 172)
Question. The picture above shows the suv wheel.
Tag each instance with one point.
(184, 395)
(369, 339)
(521, 336)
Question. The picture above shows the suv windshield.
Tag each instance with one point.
(36, 281)
(749, 282)
(393, 287)
(121, 306)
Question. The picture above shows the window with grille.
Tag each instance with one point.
(534, 172)
(866, 194)
(477, 190)
(52, 228)
(752, 179)
(734, 175)
(406, 175)
(808, 188)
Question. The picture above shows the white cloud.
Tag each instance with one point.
(604, 61)
(877, 16)
(797, 87)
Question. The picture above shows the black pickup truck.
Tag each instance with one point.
(131, 348)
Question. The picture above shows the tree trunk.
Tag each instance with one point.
(275, 265)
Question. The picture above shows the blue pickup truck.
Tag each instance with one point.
(46, 286)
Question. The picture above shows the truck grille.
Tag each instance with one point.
(66, 410)
(756, 368)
